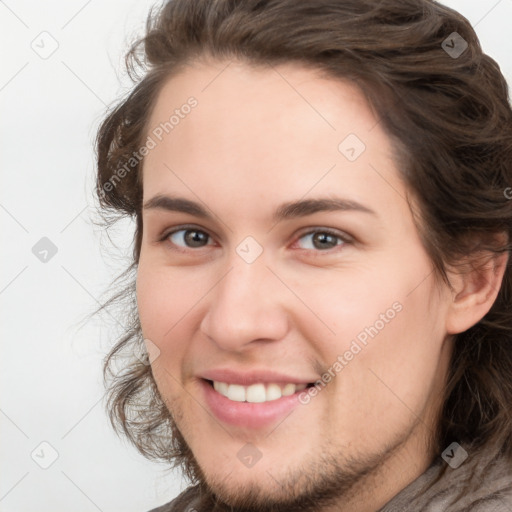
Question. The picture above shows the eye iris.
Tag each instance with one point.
(324, 240)
(195, 238)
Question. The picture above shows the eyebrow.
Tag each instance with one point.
(290, 210)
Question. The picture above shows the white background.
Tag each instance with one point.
(50, 375)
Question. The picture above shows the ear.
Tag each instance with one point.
(474, 290)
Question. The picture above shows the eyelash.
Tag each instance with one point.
(345, 239)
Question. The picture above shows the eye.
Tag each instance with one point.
(194, 238)
(191, 238)
(321, 240)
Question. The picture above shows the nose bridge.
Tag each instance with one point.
(245, 306)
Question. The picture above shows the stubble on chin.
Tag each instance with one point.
(323, 482)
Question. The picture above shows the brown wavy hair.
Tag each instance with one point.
(449, 118)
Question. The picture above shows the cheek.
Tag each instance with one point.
(165, 301)
(165, 298)
(390, 340)
(386, 329)
(167, 306)
(384, 296)
(390, 382)
(354, 303)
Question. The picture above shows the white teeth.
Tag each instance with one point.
(288, 390)
(273, 392)
(236, 393)
(221, 387)
(256, 393)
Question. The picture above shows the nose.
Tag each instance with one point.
(246, 306)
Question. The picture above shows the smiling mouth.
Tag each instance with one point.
(258, 392)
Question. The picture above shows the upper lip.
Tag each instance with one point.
(248, 377)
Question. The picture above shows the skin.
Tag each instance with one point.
(260, 137)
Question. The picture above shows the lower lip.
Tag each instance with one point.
(247, 414)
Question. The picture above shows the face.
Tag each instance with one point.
(279, 253)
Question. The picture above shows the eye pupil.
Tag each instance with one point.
(324, 240)
(195, 238)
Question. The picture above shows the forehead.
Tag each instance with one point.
(266, 132)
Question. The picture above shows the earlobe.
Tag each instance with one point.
(474, 292)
